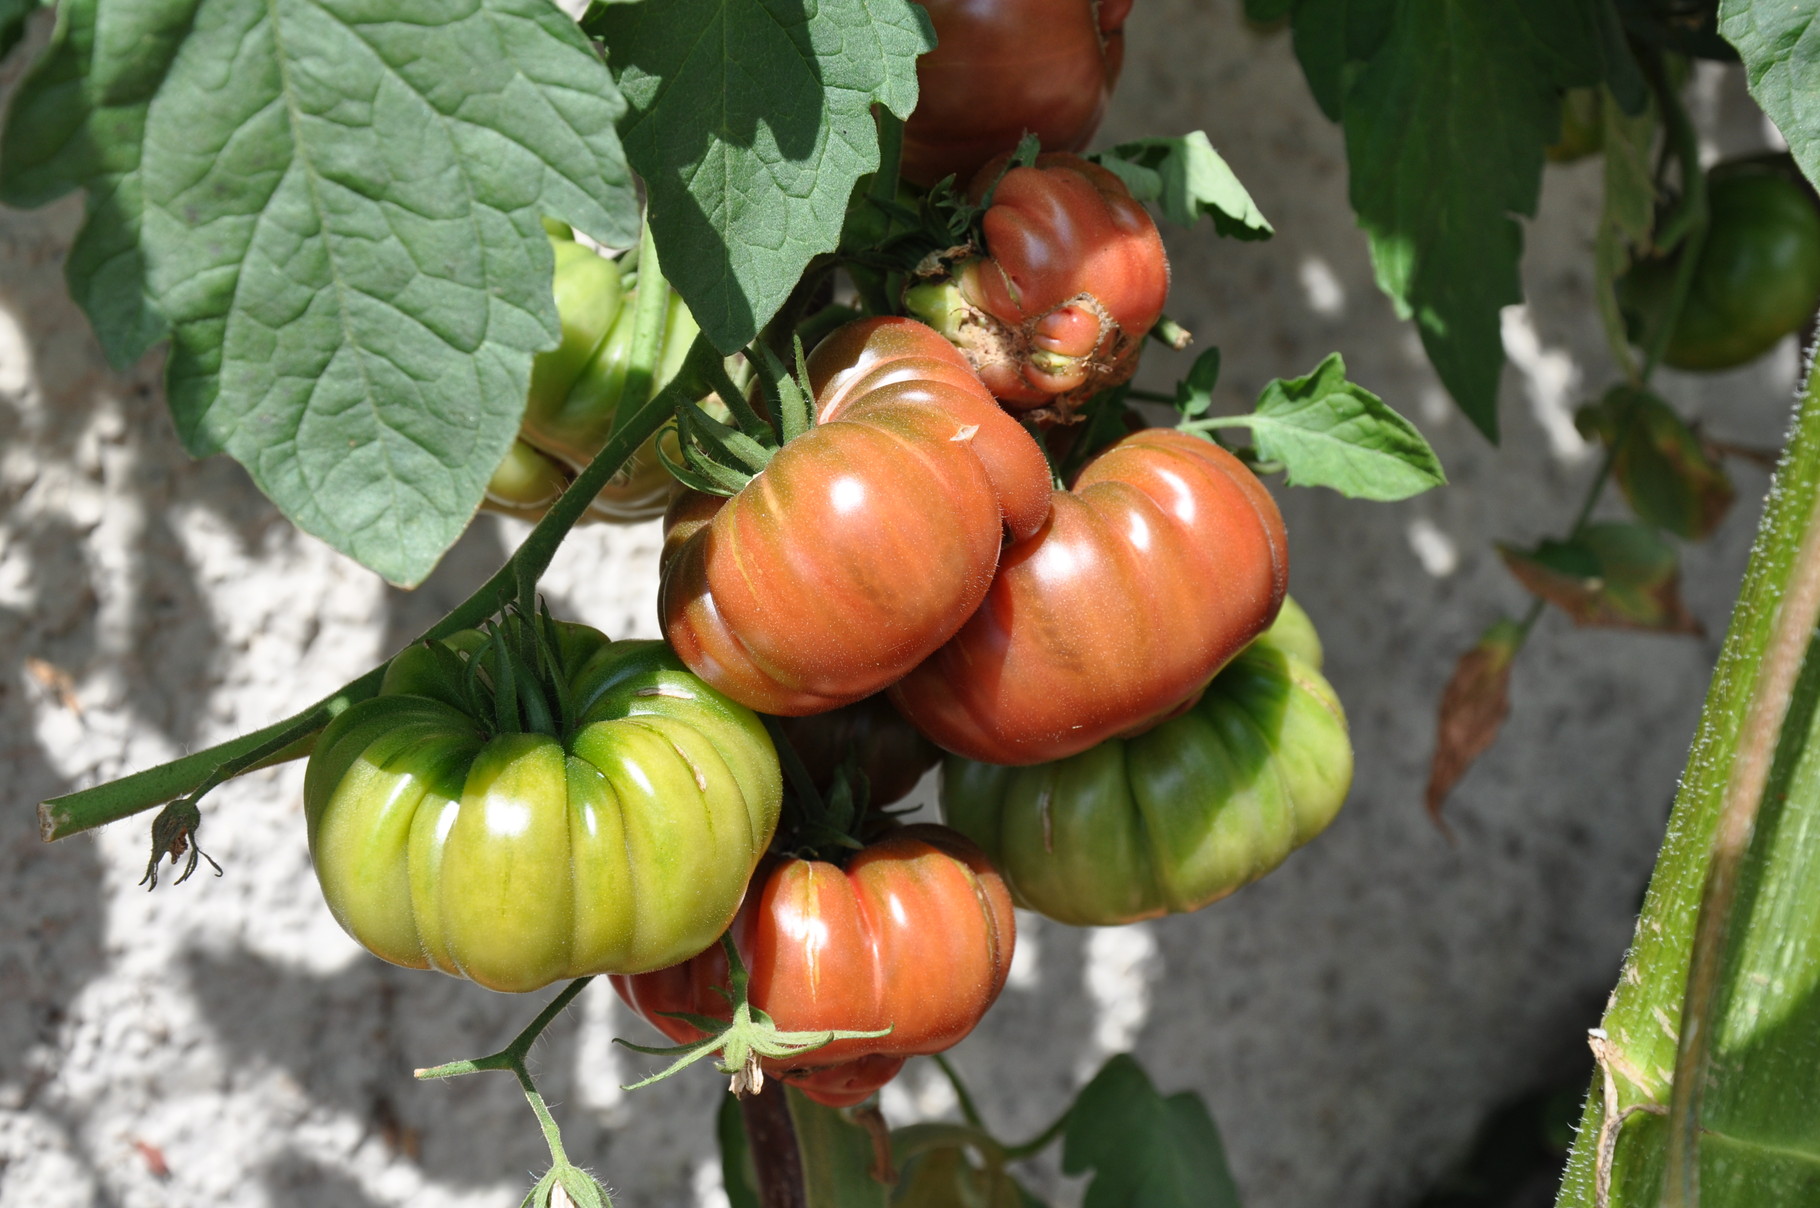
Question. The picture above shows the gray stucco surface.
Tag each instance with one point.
(1349, 1020)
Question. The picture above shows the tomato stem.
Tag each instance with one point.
(197, 773)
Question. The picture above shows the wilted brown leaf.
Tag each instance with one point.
(1623, 576)
(1473, 707)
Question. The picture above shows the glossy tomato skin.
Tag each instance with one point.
(914, 934)
(518, 859)
(1072, 277)
(887, 750)
(1166, 558)
(1002, 68)
(864, 543)
(1177, 817)
(576, 392)
(1757, 279)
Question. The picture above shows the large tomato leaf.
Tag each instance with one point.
(750, 122)
(1145, 1149)
(1447, 105)
(334, 211)
(1329, 432)
(1779, 42)
(12, 22)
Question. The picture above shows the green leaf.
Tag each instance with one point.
(337, 217)
(1623, 576)
(1145, 1151)
(1445, 127)
(1333, 38)
(736, 1173)
(750, 123)
(1629, 213)
(1755, 1136)
(837, 1157)
(12, 22)
(1187, 178)
(1779, 41)
(1663, 469)
(1326, 431)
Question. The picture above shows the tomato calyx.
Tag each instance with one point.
(720, 458)
(742, 1041)
(821, 826)
(174, 835)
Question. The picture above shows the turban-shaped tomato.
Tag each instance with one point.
(1072, 278)
(1179, 816)
(1004, 68)
(914, 934)
(865, 542)
(622, 842)
(1166, 559)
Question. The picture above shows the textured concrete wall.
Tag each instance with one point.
(1349, 1020)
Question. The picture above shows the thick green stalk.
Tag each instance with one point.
(1708, 1087)
(73, 813)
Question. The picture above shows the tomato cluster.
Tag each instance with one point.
(1132, 715)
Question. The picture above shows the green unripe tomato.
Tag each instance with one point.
(1174, 818)
(578, 387)
(620, 843)
(1757, 279)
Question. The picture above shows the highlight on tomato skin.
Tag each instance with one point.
(863, 544)
(914, 934)
(1002, 68)
(1071, 278)
(1162, 563)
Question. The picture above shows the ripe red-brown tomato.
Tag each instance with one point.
(887, 750)
(1072, 278)
(1166, 559)
(1004, 67)
(914, 934)
(863, 544)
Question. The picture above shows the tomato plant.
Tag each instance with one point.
(913, 934)
(1071, 279)
(1002, 68)
(1756, 279)
(1179, 816)
(472, 820)
(1165, 559)
(863, 544)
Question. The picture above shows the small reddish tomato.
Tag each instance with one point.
(1072, 279)
(863, 544)
(1002, 68)
(1163, 562)
(914, 934)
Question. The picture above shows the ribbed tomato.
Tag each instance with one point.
(1006, 67)
(1166, 559)
(863, 544)
(1181, 815)
(1072, 278)
(914, 934)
